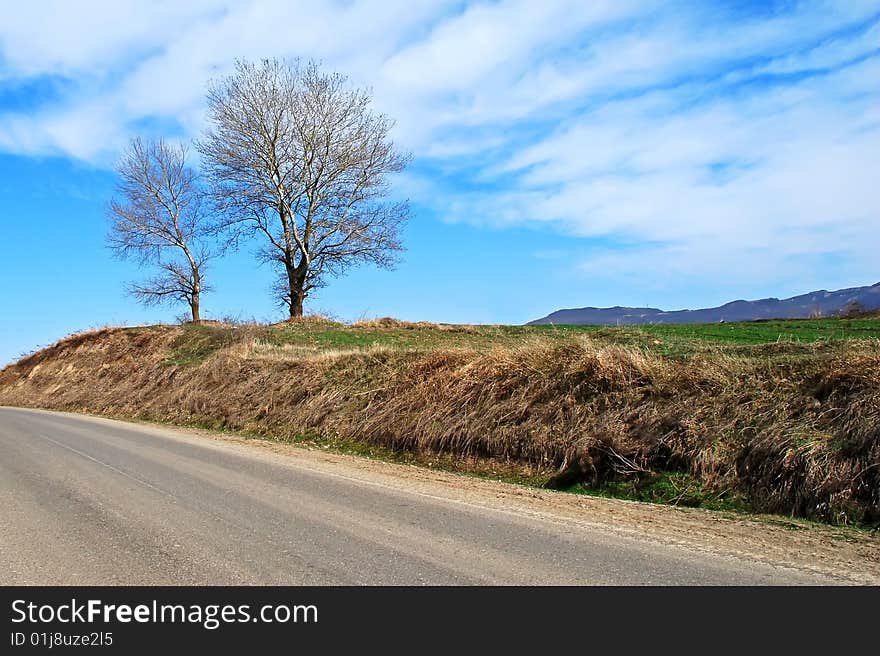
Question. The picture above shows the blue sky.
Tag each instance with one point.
(674, 154)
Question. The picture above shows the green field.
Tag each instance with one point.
(762, 332)
(672, 340)
(399, 335)
(681, 339)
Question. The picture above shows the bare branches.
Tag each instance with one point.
(296, 157)
(174, 283)
(158, 218)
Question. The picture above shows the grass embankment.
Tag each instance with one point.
(779, 417)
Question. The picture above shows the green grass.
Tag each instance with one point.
(340, 336)
(763, 332)
(745, 333)
(198, 342)
(673, 488)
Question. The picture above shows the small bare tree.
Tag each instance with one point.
(159, 219)
(297, 157)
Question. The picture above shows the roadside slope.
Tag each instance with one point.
(783, 428)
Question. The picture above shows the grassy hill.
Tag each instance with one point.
(775, 416)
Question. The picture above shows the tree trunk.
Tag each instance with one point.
(296, 307)
(297, 295)
(194, 306)
(196, 290)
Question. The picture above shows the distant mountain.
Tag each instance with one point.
(820, 303)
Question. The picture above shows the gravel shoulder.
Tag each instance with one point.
(842, 553)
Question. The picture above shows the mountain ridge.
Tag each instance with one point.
(821, 302)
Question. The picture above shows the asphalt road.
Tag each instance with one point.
(91, 501)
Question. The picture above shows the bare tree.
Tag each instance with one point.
(296, 156)
(159, 219)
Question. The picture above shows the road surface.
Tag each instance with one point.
(94, 501)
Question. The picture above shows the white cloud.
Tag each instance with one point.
(694, 127)
(770, 159)
(90, 37)
(492, 38)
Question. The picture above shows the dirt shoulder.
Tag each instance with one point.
(845, 553)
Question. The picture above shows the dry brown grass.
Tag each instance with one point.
(398, 324)
(308, 320)
(792, 431)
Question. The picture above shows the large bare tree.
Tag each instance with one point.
(296, 156)
(159, 218)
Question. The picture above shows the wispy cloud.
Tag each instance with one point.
(720, 140)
